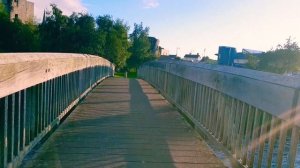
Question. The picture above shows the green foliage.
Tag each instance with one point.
(9, 4)
(81, 33)
(289, 45)
(52, 31)
(3, 11)
(78, 33)
(115, 36)
(2, 8)
(16, 36)
(252, 61)
(123, 75)
(140, 48)
(280, 61)
(207, 60)
(284, 59)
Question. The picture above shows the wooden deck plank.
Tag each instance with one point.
(124, 123)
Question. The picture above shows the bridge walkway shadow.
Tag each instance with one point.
(124, 123)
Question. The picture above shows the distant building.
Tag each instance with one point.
(230, 57)
(20, 9)
(226, 55)
(154, 46)
(192, 58)
(169, 57)
(163, 52)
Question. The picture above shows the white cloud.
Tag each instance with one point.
(67, 6)
(150, 3)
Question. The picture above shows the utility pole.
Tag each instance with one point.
(177, 51)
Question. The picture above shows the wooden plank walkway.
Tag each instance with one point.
(124, 123)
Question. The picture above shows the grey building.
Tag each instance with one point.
(21, 9)
(154, 46)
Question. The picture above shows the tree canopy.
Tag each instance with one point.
(78, 33)
(16, 36)
(140, 46)
(115, 37)
(284, 59)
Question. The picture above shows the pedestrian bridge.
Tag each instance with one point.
(67, 110)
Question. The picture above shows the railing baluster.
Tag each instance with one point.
(17, 123)
(241, 133)
(262, 138)
(194, 100)
(222, 115)
(282, 141)
(10, 127)
(23, 119)
(293, 147)
(236, 129)
(3, 131)
(233, 126)
(215, 112)
(272, 139)
(218, 123)
(39, 102)
(254, 143)
(209, 109)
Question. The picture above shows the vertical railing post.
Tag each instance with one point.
(17, 123)
(10, 127)
(3, 131)
(38, 111)
(23, 119)
(28, 115)
(34, 113)
(282, 141)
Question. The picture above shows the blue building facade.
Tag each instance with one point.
(230, 57)
(226, 55)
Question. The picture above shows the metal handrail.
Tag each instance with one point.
(253, 114)
(37, 90)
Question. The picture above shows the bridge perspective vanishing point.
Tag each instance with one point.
(67, 110)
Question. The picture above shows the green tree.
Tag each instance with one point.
(16, 36)
(207, 60)
(121, 34)
(115, 40)
(80, 35)
(140, 46)
(252, 61)
(2, 9)
(285, 58)
(52, 30)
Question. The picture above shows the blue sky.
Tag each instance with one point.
(195, 25)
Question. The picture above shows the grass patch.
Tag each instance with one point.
(129, 75)
(119, 75)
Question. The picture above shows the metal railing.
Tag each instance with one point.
(254, 115)
(36, 92)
